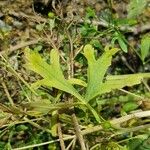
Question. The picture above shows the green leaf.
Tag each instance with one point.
(122, 45)
(51, 15)
(120, 81)
(139, 143)
(130, 106)
(145, 47)
(53, 76)
(136, 7)
(96, 70)
(90, 13)
(38, 48)
(121, 41)
(125, 21)
(51, 73)
(134, 144)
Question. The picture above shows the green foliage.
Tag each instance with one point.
(97, 68)
(121, 41)
(140, 144)
(145, 47)
(51, 15)
(51, 73)
(88, 30)
(96, 44)
(92, 90)
(130, 106)
(120, 81)
(125, 21)
(90, 13)
(136, 7)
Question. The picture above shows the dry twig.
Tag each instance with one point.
(62, 144)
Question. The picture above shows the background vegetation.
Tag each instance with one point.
(75, 75)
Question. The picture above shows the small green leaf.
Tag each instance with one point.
(130, 106)
(106, 125)
(90, 13)
(22, 128)
(96, 44)
(145, 47)
(38, 48)
(51, 15)
(125, 21)
(51, 23)
(121, 41)
(122, 45)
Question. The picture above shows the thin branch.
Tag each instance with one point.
(135, 29)
(20, 45)
(61, 140)
(71, 56)
(78, 132)
(19, 122)
(118, 121)
(135, 95)
(16, 74)
(7, 93)
(36, 125)
(146, 85)
(70, 75)
(125, 130)
(96, 128)
(71, 144)
(44, 143)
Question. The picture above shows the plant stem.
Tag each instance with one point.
(118, 121)
(7, 93)
(138, 96)
(125, 130)
(146, 85)
(95, 114)
(78, 132)
(62, 144)
(96, 128)
(70, 75)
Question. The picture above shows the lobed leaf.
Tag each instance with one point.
(51, 73)
(96, 70)
(120, 81)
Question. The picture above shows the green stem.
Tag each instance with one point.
(95, 114)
